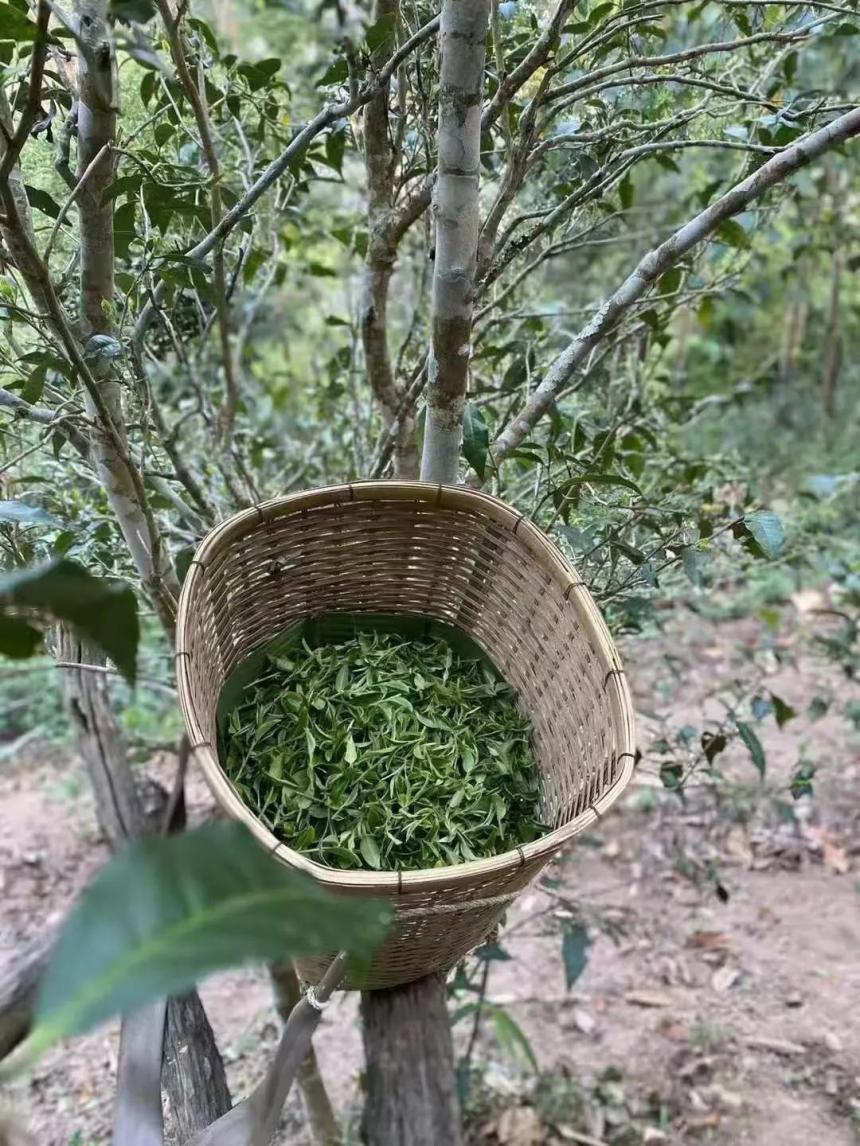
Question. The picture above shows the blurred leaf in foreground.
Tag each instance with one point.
(100, 610)
(167, 912)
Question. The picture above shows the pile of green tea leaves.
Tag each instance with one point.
(384, 752)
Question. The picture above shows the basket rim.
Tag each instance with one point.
(541, 548)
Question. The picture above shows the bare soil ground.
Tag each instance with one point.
(720, 998)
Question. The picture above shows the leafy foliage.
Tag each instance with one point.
(385, 752)
(102, 611)
(165, 913)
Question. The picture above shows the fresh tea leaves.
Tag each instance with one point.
(384, 752)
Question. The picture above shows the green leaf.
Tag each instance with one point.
(100, 610)
(733, 235)
(511, 1036)
(801, 779)
(597, 13)
(19, 513)
(753, 744)
(670, 281)
(36, 197)
(818, 707)
(259, 75)
(35, 384)
(574, 952)
(370, 852)
(182, 561)
(14, 25)
(165, 913)
(124, 232)
(206, 32)
(336, 74)
(137, 11)
(782, 712)
(625, 191)
(766, 528)
(17, 638)
(381, 33)
(102, 349)
(476, 439)
(668, 163)
(335, 145)
(605, 479)
(713, 743)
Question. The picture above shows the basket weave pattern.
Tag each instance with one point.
(456, 556)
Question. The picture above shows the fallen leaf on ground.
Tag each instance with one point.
(835, 857)
(652, 1136)
(725, 978)
(808, 600)
(704, 1122)
(738, 847)
(584, 1022)
(727, 1099)
(516, 1126)
(649, 999)
(778, 1046)
(709, 941)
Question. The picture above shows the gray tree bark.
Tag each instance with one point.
(97, 113)
(410, 1080)
(386, 224)
(461, 83)
(193, 1076)
(19, 984)
(99, 741)
(833, 344)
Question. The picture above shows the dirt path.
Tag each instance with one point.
(720, 997)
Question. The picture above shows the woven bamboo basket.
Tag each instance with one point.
(451, 555)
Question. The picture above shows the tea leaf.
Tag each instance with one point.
(384, 752)
(167, 912)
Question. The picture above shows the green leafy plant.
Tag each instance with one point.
(167, 912)
(101, 610)
(385, 752)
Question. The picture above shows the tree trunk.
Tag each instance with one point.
(324, 1127)
(97, 109)
(99, 741)
(461, 81)
(19, 984)
(380, 162)
(193, 1078)
(411, 1085)
(833, 340)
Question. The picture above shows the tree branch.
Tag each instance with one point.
(657, 261)
(536, 58)
(279, 166)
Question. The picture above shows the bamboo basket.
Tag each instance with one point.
(448, 554)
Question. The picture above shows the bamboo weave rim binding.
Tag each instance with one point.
(457, 556)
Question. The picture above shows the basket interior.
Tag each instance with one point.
(455, 564)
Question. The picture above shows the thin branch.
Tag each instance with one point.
(657, 261)
(279, 166)
(15, 145)
(536, 58)
(66, 207)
